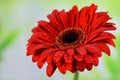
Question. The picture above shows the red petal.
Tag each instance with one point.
(110, 42)
(104, 36)
(94, 34)
(36, 49)
(86, 16)
(39, 41)
(104, 47)
(55, 20)
(78, 57)
(71, 19)
(111, 36)
(39, 47)
(50, 69)
(99, 54)
(30, 46)
(74, 17)
(73, 69)
(89, 66)
(91, 14)
(58, 55)
(88, 59)
(35, 57)
(40, 64)
(92, 49)
(110, 26)
(43, 56)
(99, 35)
(50, 58)
(70, 51)
(68, 58)
(64, 18)
(45, 26)
(62, 69)
(36, 29)
(92, 9)
(69, 66)
(95, 61)
(60, 62)
(100, 20)
(81, 50)
(41, 36)
(58, 58)
(83, 17)
(80, 66)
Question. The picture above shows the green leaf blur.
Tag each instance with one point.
(8, 40)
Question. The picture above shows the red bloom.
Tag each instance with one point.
(72, 40)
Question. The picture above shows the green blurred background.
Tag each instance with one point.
(18, 17)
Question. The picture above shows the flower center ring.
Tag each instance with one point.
(70, 37)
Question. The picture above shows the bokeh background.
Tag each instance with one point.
(18, 17)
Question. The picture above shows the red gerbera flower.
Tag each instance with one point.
(72, 40)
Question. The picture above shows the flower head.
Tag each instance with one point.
(72, 40)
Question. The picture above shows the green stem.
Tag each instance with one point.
(76, 76)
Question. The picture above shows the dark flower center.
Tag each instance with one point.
(70, 37)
